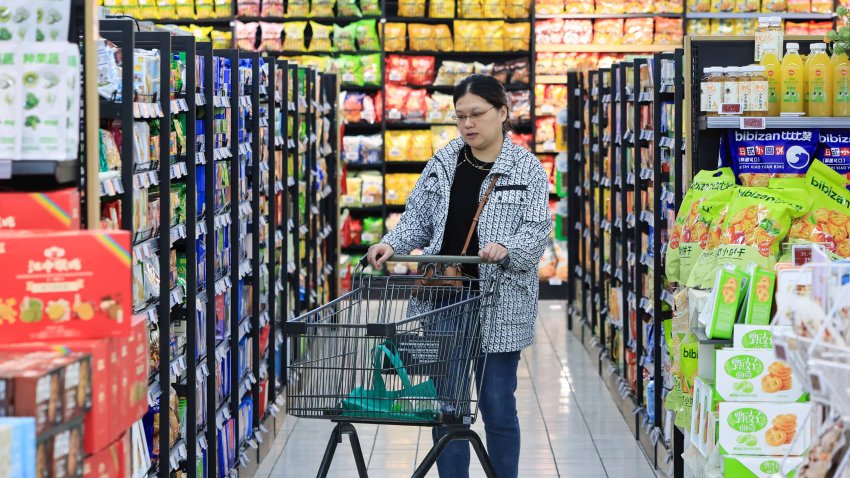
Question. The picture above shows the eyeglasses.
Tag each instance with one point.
(474, 116)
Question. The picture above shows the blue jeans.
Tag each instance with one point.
(497, 384)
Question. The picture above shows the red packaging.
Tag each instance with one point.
(112, 461)
(397, 69)
(264, 396)
(133, 368)
(64, 285)
(60, 454)
(37, 390)
(396, 101)
(56, 210)
(421, 72)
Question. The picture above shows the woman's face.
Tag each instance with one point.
(479, 122)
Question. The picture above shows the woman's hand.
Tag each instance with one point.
(379, 253)
(493, 252)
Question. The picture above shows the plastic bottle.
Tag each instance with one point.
(713, 82)
(757, 99)
(730, 85)
(778, 35)
(793, 86)
(744, 88)
(840, 85)
(819, 82)
(768, 34)
(773, 71)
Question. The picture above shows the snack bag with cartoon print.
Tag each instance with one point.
(828, 220)
(691, 231)
(702, 272)
(758, 221)
(758, 156)
(834, 150)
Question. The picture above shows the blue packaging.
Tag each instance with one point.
(757, 156)
(17, 439)
(834, 150)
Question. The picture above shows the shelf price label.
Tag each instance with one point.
(753, 123)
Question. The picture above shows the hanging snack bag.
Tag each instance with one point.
(834, 150)
(321, 40)
(702, 6)
(367, 35)
(420, 145)
(345, 38)
(298, 8)
(322, 8)
(440, 107)
(706, 195)
(441, 8)
(722, 5)
(411, 8)
(421, 37)
(516, 36)
(370, 66)
(757, 156)
(272, 8)
(828, 220)
(271, 39)
(395, 36)
(397, 145)
(416, 106)
(371, 7)
(467, 35)
(470, 9)
(798, 6)
(293, 33)
(349, 67)
(396, 101)
(443, 37)
(347, 8)
(398, 68)
(421, 72)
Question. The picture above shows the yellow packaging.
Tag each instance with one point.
(441, 8)
(395, 36)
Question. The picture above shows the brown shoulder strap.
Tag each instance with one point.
(478, 213)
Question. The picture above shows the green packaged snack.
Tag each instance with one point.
(371, 7)
(367, 35)
(347, 8)
(345, 38)
(707, 194)
(349, 67)
(722, 306)
(370, 69)
(759, 303)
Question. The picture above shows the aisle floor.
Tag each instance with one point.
(570, 426)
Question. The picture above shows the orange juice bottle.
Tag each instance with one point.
(840, 85)
(793, 87)
(819, 82)
(773, 70)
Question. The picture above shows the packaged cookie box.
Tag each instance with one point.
(17, 440)
(723, 304)
(756, 336)
(760, 466)
(110, 462)
(59, 453)
(52, 388)
(755, 376)
(55, 210)
(757, 429)
(100, 424)
(703, 434)
(64, 285)
(133, 360)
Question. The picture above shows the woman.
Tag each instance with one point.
(514, 223)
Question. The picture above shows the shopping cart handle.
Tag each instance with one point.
(439, 260)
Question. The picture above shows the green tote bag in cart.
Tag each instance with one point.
(411, 403)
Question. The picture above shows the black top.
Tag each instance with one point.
(463, 203)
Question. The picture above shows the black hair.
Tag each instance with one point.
(488, 88)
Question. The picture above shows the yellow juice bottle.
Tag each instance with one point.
(819, 82)
(773, 71)
(793, 87)
(840, 85)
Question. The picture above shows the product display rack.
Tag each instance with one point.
(618, 303)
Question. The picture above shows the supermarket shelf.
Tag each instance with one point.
(361, 128)
(320, 53)
(605, 48)
(190, 21)
(364, 209)
(592, 16)
(356, 248)
(553, 290)
(60, 172)
(460, 54)
(551, 79)
(724, 122)
(433, 20)
(304, 19)
(699, 332)
(401, 125)
(361, 88)
(363, 167)
(754, 15)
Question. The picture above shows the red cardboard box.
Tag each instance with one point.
(99, 422)
(55, 211)
(64, 285)
(111, 462)
(133, 368)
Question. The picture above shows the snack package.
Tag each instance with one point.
(370, 67)
(321, 40)
(796, 28)
(293, 33)
(272, 8)
(367, 35)
(610, 6)
(416, 106)
(442, 136)
(761, 466)
(721, 309)
(708, 193)
(759, 302)
(492, 8)
(470, 9)
(371, 7)
(699, 27)
(756, 156)
(421, 37)
(773, 5)
(373, 189)
(396, 102)
(271, 39)
(322, 8)
(764, 428)
(397, 145)
(549, 7)
(605, 32)
(421, 71)
(411, 8)
(756, 376)
(828, 220)
(353, 188)
(578, 6)
(298, 8)
(668, 31)
(395, 36)
(517, 8)
(516, 36)
(440, 108)
(723, 5)
(443, 37)
(419, 148)
(398, 68)
(638, 31)
(799, 6)
(669, 6)
(441, 8)
(247, 8)
(345, 38)
(347, 8)
(748, 5)
(520, 72)
(834, 150)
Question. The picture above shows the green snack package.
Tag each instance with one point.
(367, 35)
(757, 222)
(347, 8)
(345, 38)
(370, 69)
(691, 231)
(371, 7)
(724, 302)
(349, 67)
(759, 296)
(828, 220)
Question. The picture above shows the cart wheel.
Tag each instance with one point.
(460, 433)
(343, 428)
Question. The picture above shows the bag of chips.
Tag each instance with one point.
(605, 32)
(421, 37)
(395, 36)
(272, 34)
(442, 136)
(421, 71)
(349, 68)
(668, 31)
(517, 8)
(321, 40)
(247, 8)
(272, 8)
(520, 72)
(579, 6)
(367, 35)
(828, 220)
(467, 35)
(470, 9)
(411, 8)
(517, 36)
(297, 8)
(492, 9)
(699, 27)
(799, 6)
(371, 7)
(347, 8)
(549, 7)
(416, 106)
(748, 5)
(293, 35)
(520, 102)
(397, 69)
(822, 6)
(707, 194)
(638, 31)
(757, 156)
(723, 5)
(345, 38)
(773, 5)
(396, 145)
(443, 37)
(396, 101)
(370, 66)
(440, 108)
(610, 6)
(246, 35)
(441, 8)
(322, 8)
(669, 6)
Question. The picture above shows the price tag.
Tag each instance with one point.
(754, 123)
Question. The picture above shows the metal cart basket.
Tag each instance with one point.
(396, 350)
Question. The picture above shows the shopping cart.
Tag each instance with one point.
(394, 351)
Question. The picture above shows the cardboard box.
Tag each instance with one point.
(103, 400)
(38, 391)
(760, 287)
(760, 466)
(17, 440)
(64, 285)
(749, 337)
(723, 304)
(756, 429)
(111, 462)
(703, 419)
(54, 211)
(59, 454)
(133, 363)
(755, 376)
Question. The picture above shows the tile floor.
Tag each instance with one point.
(570, 426)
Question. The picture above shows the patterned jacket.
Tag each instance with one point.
(516, 216)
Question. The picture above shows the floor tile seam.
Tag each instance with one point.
(572, 388)
(285, 442)
(545, 426)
